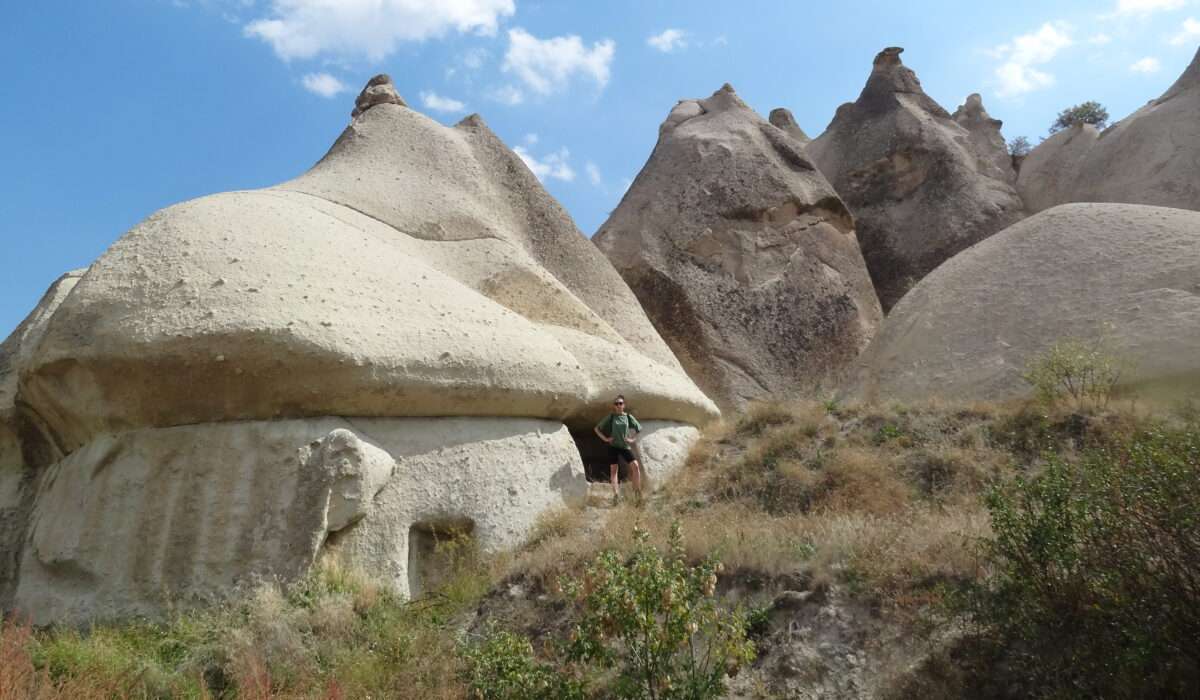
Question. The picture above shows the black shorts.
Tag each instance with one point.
(615, 453)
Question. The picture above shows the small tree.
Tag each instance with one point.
(1086, 373)
(1019, 146)
(651, 624)
(1090, 112)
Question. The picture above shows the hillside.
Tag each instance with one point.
(851, 535)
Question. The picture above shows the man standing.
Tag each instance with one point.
(619, 430)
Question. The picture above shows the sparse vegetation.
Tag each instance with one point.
(1095, 588)
(1090, 112)
(868, 508)
(1084, 373)
(1019, 147)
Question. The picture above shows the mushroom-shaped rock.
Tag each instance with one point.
(1124, 275)
(378, 91)
(921, 185)
(417, 290)
(1148, 157)
(986, 139)
(742, 254)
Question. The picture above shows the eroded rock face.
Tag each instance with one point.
(783, 119)
(1128, 274)
(1148, 157)
(417, 287)
(742, 254)
(922, 184)
(24, 450)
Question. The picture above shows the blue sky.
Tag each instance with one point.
(113, 109)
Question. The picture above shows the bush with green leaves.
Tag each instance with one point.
(1095, 584)
(649, 627)
(1090, 112)
(1019, 146)
(1084, 372)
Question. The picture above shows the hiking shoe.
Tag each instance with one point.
(616, 499)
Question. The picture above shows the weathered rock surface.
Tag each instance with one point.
(921, 186)
(417, 273)
(19, 430)
(379, 91)
(986, 139)
(1149, 157)
(1048, 172)
(742, 254)
(783, 119)
(1129, 274)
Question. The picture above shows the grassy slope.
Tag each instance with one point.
(871, 514)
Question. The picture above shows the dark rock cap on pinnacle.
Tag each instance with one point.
(379, 90)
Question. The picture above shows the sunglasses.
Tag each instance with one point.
(618, 403)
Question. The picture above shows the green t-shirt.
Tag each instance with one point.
(617, 426)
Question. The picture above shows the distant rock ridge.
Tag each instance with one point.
(922, 184)
(742, 254)
(1148, 157)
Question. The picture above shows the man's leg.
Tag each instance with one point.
(614, 477)
(635, 475)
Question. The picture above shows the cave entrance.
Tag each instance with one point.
(437, 550)
(594, 454)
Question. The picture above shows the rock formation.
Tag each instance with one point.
(389, 345)
(742, 255)
(783, 119)
(1147, 158)
(921, 186)
(1124, 275)
(22, 451)
(986, 139)
(1048, 172)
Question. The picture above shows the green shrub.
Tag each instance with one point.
(648, 625)
(1095, 588)
(1085, 373)
(503, 667)
(1090, 112)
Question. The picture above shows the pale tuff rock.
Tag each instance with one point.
(921, 185)
(783, 119)
(1048, 172)
(23, 448)
(1126, 275)
(986, 139)
(742, 255)
(1148, 157)
(379, 91)
(417, 270)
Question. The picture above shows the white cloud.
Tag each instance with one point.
(507, 94)
(1099, 39)
(1145, 7)
(668, 41)
(1148, 64)
(323, 84)
(436, 102)
(1017, 75)
(530, 139)
(545, 65)
(554, 165)
(1188, 34)
(593, 173)
(369, 28)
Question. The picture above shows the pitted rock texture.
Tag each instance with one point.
(742, 254)
(23, 448)
(783, 119)
(416, 271)
(134, 521)
(1149, 157)
(921, 185)
(1126, 276)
